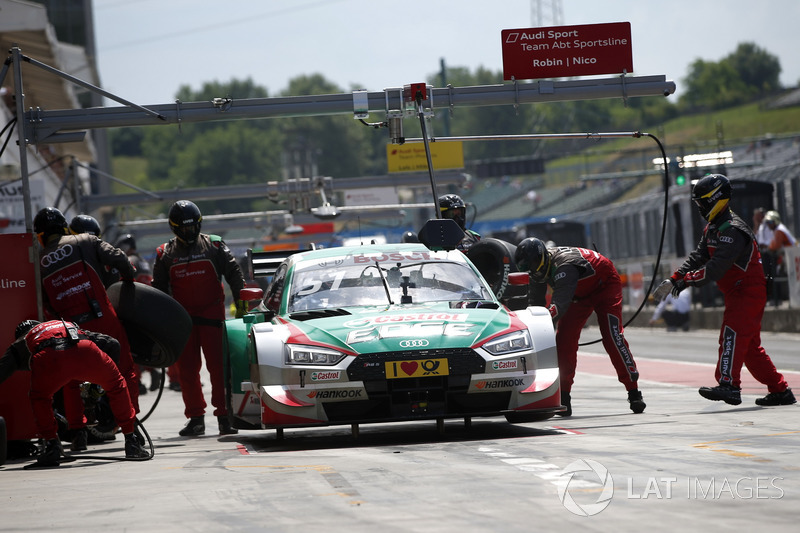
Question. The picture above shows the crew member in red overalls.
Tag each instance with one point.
(190, 267)
(583, 281)
(728, 255)
(72, 288)
(56, 353)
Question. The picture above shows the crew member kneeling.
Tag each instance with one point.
(57, 352)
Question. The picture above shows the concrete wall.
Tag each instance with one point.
(776, 319)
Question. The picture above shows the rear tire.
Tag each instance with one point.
(158, 327)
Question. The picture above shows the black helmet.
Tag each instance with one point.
(410, 236)
(127, 243)
(49, 221)
(24, 327)
(711, 195)
(532, 256)
(84, 224)
(453, 207)
(185, 221)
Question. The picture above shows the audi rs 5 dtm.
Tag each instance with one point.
(382, 333)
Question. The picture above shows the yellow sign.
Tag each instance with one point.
(410, 157)
(417, 368)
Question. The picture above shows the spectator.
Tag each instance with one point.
(583, 282)
(728, 256)
(781, 236)
(190, 267)
(674, 311)
(762, 231)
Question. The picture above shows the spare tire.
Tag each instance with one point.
(158, 327)
(494, 259)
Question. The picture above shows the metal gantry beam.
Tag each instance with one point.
(46, 125)
(410, 180)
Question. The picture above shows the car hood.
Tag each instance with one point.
(402, 327)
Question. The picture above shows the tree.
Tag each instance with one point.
(745, 74)
(336, 146)
(713, 85)
(757, 68)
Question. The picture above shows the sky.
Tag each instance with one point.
(147, 49)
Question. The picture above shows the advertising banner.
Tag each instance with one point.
(18, 294)
(566, 51)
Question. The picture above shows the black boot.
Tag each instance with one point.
(80, 440)
(194, 427)
(726, 393)
(777, 398)
(134, 450)
(636, 401)
(51, 454)
(566, 401)
(225, 427)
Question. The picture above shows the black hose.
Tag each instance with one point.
(660, 243)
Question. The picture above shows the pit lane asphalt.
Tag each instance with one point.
(684, 464)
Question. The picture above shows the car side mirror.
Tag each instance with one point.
(251, 293)
(519, 278)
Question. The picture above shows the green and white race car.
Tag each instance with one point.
(383, 333)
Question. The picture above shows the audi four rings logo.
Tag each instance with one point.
(57, 255)
(414, 343)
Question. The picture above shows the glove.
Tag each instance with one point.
(663, 289)
(241, 309)
(678, 286)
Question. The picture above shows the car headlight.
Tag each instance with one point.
(511, 342)
(297, 354)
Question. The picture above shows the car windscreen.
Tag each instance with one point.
(373, 282)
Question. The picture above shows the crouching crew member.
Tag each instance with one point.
(583, 281)
(57, 352)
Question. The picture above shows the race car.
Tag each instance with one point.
(383, 333)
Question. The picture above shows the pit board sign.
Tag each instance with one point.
(565, 51)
